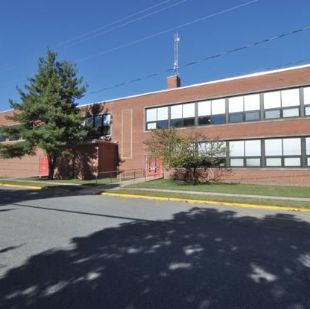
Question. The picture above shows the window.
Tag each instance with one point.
(272, 100)
(211, 112)
(287, 148)
(2, 138)
(290, 97)
(157, 118)
(101, 124)
(245, 153)
(273, 114)
(204, 113)
(253, 148)
(236, 149)
(307, 101)
(236, 108)
(308, 150)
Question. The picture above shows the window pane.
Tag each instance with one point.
(238, 117)
(252, 162)
(253, 148)
(188, 122)
(236, 162)
(291, 161)
(162, 124)
(272, 114)
(273, 147)
(236, 149)
(307, 96)
(204, 120)
(2, 138)
(151, 126)
(251, 102)
(291, 146)
(106, 120)
(308, 160)
(218, 107)
(162, 113)
(272, 99)
(218, 119)
(307, 110)
(204, 108)
(235, 104)
(189, 110)
(252, 116)
(308, 145)
(151, 114)
(98, 121)
(177, 123)
(89, 122)
(273, 162)
(176, 111)
(290, 112)
(290, 97)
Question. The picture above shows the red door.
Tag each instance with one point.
(43, 167)
(153, 167)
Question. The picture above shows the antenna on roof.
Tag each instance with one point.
(176, 54)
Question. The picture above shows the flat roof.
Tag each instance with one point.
(196, 85)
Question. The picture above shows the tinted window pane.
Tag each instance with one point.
(272, 114)
(290, 97)
(273, 147)
(251, 102)
(273, 162)
(106, 130)
(252, 116)
(290, 112)
(291, 161)
(204, 108)
(253, 162)
(106, 119)
(307, 110)
(177, 123)
(253, 148)
(218, 106)
(236, 162)
(218, 119)
(204, 120)
(151, 126)
(187, 122)
(98, 121)
(151, 114)
(163, 124)
(236, 117)
(291, 146)
(236, 149)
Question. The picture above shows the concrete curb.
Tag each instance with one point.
(21, 186)
(193, 201)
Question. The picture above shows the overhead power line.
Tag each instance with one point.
(117, 24)
(207, 58)
(230, 9)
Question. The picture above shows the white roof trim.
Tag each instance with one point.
(202, 84)
(8, 110)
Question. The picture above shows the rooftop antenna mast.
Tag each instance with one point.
(176, 54)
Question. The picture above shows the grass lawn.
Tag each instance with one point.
(259, 201)
(264, 190)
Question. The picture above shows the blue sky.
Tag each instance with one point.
(101, 36)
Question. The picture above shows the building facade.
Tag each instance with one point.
(263, 118)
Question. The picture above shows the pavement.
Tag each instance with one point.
(63, 250)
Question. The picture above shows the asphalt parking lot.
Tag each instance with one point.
(82, 251)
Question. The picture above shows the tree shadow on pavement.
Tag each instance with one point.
(202, 258)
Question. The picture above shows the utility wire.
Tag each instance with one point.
(169, 30)
(207, 58)
(120, 23)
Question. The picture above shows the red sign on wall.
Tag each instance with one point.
(43, 166)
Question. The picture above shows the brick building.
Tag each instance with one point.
(264, 118)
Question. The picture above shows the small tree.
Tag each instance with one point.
(47, 116)
(185, 151)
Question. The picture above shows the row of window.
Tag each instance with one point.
(252, 107)
(101, 124)
(275, 152)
